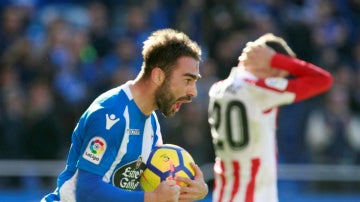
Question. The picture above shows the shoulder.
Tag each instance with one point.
(277, 83)
(107, 107)
(114, 96)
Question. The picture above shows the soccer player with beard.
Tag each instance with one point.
(242, 113)
(115, 135)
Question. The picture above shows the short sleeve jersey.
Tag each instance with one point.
(113, 139)
(243, 119)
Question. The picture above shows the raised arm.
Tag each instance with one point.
(309, 80)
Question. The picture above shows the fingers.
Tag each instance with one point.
(244, 57)
(170, 182)
(196, 189)
(195, 192)
(174, 190)
(252, 47)
(250, 53)
(186, 182)
(168, 191)
(198, 173)
(173, 187)
(186, 197)
(256, 56)
(254, 50)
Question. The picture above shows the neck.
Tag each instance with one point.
(143, 93)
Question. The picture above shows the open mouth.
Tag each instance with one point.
(179, 102)
(177, 106)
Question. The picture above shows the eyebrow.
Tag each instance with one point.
(193, 76)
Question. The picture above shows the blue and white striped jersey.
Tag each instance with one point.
(113, 139)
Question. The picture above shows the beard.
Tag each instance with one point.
(165, 99)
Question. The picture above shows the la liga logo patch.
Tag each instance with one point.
(95, 150)
(97, 146)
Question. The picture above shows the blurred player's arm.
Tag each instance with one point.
(310, 80)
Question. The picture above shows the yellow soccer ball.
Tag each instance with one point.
(165, 162)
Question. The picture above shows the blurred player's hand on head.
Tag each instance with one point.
(258, 56)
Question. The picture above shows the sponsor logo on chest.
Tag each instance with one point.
(128, 176)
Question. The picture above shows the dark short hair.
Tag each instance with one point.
(164, 47)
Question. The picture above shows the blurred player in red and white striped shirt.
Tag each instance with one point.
(243, 112)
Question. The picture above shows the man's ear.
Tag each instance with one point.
(157, 76)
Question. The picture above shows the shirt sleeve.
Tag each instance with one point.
(309, 80)
(99, 145)
(90, 187)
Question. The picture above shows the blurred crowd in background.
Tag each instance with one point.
(56, 56)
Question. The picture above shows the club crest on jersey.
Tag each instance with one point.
(128, 176)
(95, 150)
(277, 83)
